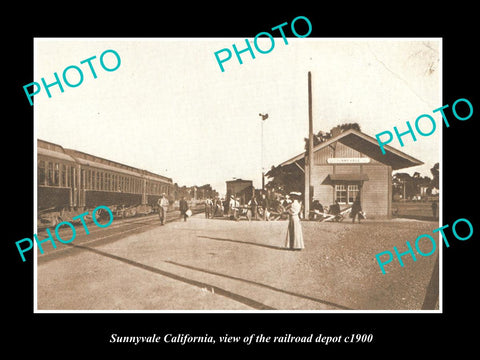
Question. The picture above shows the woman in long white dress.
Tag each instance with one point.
(294, 238)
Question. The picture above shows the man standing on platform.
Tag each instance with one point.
(208, 208)
(253, 207)
(183, 208)
(162, 208)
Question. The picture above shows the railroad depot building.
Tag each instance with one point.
(350, 164)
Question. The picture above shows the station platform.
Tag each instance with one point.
(223, 265)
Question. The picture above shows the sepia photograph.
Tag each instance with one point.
(268, 174)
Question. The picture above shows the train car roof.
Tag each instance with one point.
(54, 150)
(98, 162)
(50, 149)
(153, 176)
(55, 154)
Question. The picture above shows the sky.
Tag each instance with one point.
(169, 109)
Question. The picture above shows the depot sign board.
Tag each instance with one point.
(360, 160)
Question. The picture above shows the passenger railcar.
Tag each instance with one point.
(70, 182)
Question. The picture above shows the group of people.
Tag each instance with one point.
(334, 209)
(257, 209)
(254, 209)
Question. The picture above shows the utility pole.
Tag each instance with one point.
(264, 117)
(309, 157)
(263, 170)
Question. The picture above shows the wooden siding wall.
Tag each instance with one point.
(322, 192)
(375, 193)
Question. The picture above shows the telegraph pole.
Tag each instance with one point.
(264, 117)
(263, 170)
(309, 157)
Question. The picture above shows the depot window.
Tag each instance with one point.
(346, 193)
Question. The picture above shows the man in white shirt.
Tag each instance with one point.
(162, 208)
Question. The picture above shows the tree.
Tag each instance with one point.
(408, 185)
(403, 184)
(325, 136)
(285, 179)
(435, 183)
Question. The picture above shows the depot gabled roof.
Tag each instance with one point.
(366, 145)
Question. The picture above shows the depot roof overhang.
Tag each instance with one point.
(368, 146)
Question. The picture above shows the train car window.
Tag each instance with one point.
(89, 179)
(56, 174)
(82, 179)
(69, 175)
(101, 182)
(41, 172)
(63, 176)
(50, 174)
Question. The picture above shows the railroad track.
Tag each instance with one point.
(118, 229)
(253, 294)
